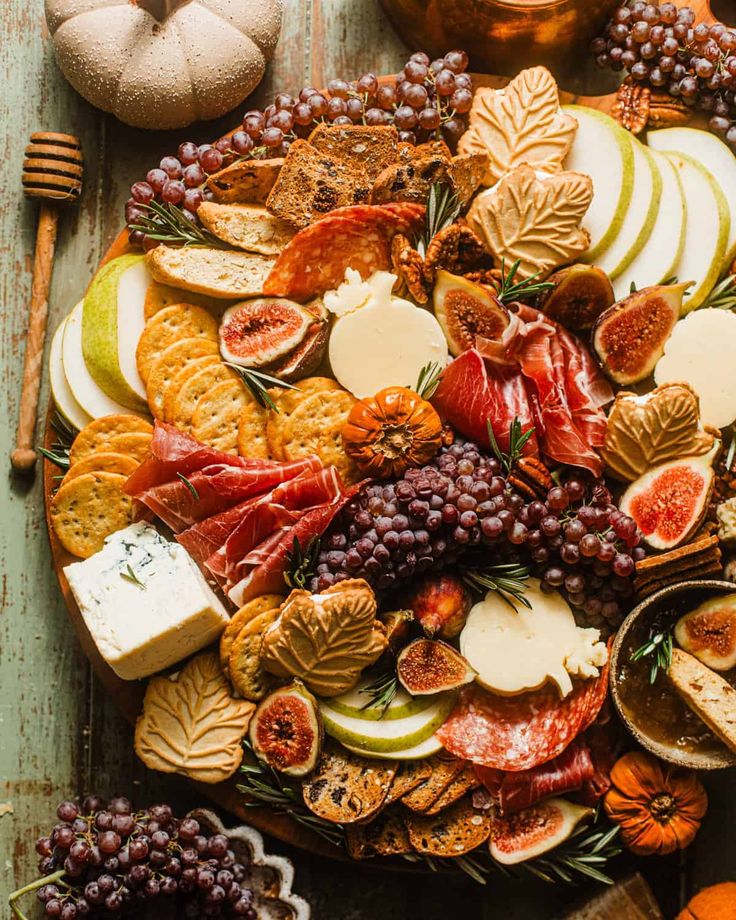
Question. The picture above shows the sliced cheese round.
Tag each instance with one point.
(384, 344)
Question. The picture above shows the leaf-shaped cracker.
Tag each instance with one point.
(191, 725)
(643, 432)
(536, 221)
(325, 640)
(521, 123)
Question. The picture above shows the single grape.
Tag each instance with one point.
(456, 61)
(53, 908)
(142, 192)
(211, 160)
(253, 123)
(368, 83)
(172, 167)
(44, 847)
(156, 179)
(405, 118)
(272, 137)
(173, 191)
(461, 100)
(386, 96)
(338, 88)
(354, 109)
(376, 116)
(187, 153)
(444, 81)
(318, 104)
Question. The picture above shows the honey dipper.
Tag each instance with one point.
(52, 172)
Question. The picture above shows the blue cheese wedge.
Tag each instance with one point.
(145, 602)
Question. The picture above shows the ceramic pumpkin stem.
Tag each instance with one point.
(160, 9)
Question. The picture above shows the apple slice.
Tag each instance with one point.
(706, 229)
(64, 400)
(113, 322)
(717, 158)
(93, 400)
(602, 151)
(655, 262)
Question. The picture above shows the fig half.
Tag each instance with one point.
(709, 632)
(257, 332)
(428, 666)
(286, 730)
(465, 311)
(580, 293)
(629, 337)
(304, 360)
(535, 830)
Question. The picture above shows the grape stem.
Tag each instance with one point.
(54, 878)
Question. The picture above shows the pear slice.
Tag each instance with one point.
(602, 151)
(113, 322)
(717, 158)
(641, 214)
(93, 400)
(64, 400)
(431, 745)
(706, 230)
(357, 703)
(655, 262)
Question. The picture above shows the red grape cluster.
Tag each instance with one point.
(103, 860)
(576, 541)
(665, 48)
(427, 99)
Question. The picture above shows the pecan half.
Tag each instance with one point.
(457, 249)
(531, 477)
(409, 267)
(631, 108)
(667, 112)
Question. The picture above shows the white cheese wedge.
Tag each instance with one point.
(514, 651)
(145, 602)
(383, 344)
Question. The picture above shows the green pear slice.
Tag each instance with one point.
(113, 322)
(706, 229)
(382, 736)
(431, 745)
(354, 702)
(64, 400)
(717, 158)
(640, 216)
(93, 400)
(657, 259)
(602, 151)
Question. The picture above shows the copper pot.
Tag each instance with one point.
(503, 36)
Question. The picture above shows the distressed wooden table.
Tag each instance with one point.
(59, 735)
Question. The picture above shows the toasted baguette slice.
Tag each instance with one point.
(217, 272)
(706, 693)
(311, 183)
(368, 149)
(246, 182)
(247, 226)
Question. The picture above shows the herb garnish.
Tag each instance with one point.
(517, 442)
(129, 575)
(257, 382)
(301, 563)
(429, 379)
(167, 223)
(659, 645)
(509, 290)
(188, 484)
(442, 209)
(381, 691)
(508, 580)
(723, 295)
(59, 452)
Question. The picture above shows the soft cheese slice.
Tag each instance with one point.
(516, 650)
(145, 602)
(384, 343)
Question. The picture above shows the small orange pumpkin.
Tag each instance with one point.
(718, 902)
(658, 807)
(391, 431)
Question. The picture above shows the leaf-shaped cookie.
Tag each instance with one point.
(191, 725)
(521, 123)
(534, 220)
(325, 640)
(644, 431)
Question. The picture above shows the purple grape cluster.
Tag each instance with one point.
(577, 541)
(427, 99)
(104, 860)
(664, 47)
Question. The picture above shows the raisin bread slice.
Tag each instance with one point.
(367, 149)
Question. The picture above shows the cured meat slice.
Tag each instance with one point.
(520, 732)
(357, 237)
(205, 537)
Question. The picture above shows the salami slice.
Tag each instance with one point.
(357, 237)
(520, 732)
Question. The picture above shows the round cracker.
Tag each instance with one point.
(286, 401)
(179, 321)
(136, 444)
(96, 436)
(179, 405)
(315, 427)
(252, 437)
(243, 616)
(160, 295)
(88, 509)
(215, 420)
(247, 676)
(168, 364)
(106, 461)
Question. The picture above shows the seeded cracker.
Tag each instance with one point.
(179, 321)
(244, 663)
(315, 427)
(457, 830)
(190, 384)
(160, 295)
(345, 788)
(215, 420)
(97, 435)
(135, 444)
(250, 611)
(168, 364)
(252, 437)
(102, 462)
(88, 509)
(287, 401)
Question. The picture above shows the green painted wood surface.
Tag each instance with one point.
(59, 735)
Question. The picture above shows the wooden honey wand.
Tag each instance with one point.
(52, 171)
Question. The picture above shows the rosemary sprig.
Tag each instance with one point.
(659, 646)
(508, 580)
(130, 576)
(517, 442)
(381, 692)
(167, 223)
(509, 290)
(301, 563)
(266, 787)
(723, 295)
(429, 379)
(59, 452)
(442, 209)
(188, 484)
(258, 383)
